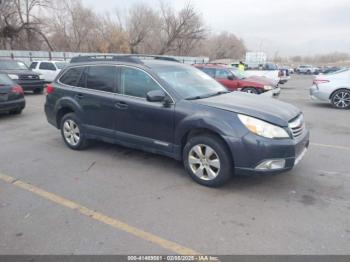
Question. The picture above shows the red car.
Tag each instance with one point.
(234, 80)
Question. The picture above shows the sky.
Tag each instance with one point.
(277, 27)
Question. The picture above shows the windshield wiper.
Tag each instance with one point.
(207, 95)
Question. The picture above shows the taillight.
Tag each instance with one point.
(17, 90)
(49, 89)
(320, 81)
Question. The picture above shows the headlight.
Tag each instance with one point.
(13, 77)
(262, 128)
(41, 77)
(268, 88)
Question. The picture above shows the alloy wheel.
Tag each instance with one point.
(342, 99)
(204, 162)
(71, 132)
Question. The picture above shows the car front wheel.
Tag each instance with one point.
(341, 99)
(71, 131)
(207, 160)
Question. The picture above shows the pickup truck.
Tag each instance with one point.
(271, 71)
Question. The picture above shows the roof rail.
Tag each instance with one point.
(96, 58)
(157, 57)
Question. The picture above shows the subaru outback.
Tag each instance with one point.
(178, 111)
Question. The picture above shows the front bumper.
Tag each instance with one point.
(31, 85)
(273, 93)
(252, 150)
(12, 105)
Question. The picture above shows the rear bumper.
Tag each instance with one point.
(50, 115)
(31, 85)
(317, 95)
(251, 151)
(12, 105)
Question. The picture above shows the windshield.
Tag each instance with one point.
(61, 65)
(239, 74)
(12, 65)
(189, 82)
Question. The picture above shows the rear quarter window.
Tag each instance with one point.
(71, 76)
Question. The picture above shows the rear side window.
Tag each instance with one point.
(33, 65)
(102, 78)
(47, 66)
(72, 76)
(137, 83)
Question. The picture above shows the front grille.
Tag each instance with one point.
(29, 77)
(297, 126)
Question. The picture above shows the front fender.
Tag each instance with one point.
(223, 126)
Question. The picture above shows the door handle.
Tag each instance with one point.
(79, 96)
(121, 105)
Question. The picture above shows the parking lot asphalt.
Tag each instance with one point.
(140, 203)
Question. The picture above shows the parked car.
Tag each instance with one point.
(307, 69)
(235, 80)
(333, 88)
(21, 75)
(288, 69)
(178, 111)
(48, 69)
(271, 71)
(11, 96)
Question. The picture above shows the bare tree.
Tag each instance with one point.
(179, 28)
(140, 24)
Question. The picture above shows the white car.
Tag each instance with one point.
(307, 69)
(333, 88)
(48, 69)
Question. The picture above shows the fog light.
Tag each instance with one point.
(272, 164)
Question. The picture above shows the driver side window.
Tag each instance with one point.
(137, 83)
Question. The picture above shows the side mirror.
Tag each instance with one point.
(231, 77)
(156, 96)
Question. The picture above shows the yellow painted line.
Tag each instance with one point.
(331, 146)
(117, 224)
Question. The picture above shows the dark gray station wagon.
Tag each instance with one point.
(176, 110)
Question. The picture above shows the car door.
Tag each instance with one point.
(226, 78)
(96, 98)
(146, 124)
(48, 70)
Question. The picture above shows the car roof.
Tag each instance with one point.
(49, 61)
(221, 66)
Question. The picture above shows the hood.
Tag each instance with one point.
(19, 72)
(264, 108)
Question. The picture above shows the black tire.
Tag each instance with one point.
(82, 142)
(336, 97)
(38, 91)
(250, 90)
(224, 173)
(17, 111)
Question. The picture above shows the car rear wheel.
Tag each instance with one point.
(250, 90)
(341, 99)
(207, 160)
(72, 134)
